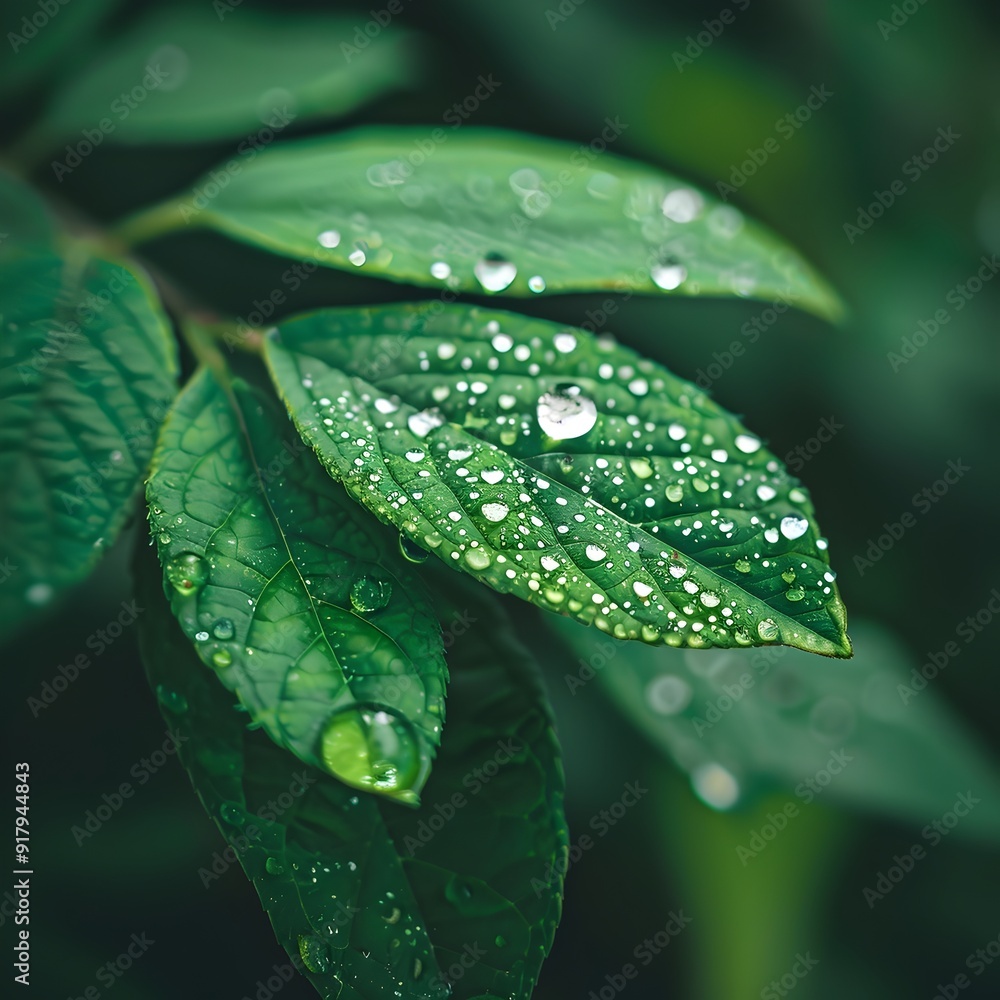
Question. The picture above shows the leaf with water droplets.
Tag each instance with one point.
(565, 469)
(195, 78)
(361, 892)
(87, 370)
(300, 603)
(871, 734)
(498, 212)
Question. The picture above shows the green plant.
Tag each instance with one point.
(315, 488)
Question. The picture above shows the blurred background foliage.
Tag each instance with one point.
(561, 76)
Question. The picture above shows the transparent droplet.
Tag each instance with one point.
(564, 342)
(565, 413)
(683, 205)
(668, 694)
(424, 421)
(232, 813)
(495, 511)
(747, 443)
(370, 594)
(314, 953)
(411, 551)
(709, 599)
(187, 573)
(668, 274)
(329, 238)
(742, 565)
(794, 527)
(371, 747)
(274, 867)
(440, 270)
(477, 558)
(674, 492)
(767, 630)
(494, 273)
(224, 629)
(596, 553)
(222, 658)
(795, 594)
(536, 283)
(715, 786)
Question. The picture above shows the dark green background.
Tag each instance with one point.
(890, 96)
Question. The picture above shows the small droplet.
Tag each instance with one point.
(674, 492)
(794, 527)
(742, 565)
(767, 630)
(536, 283)
(224, 629)
(683, 205)
(668, 274)
(766, 492)
(222, 658)
(329, 238)
(795, 594)
(494, 273)
(440, 270)
(232, 813)
(274, 867)
(314, 953)
(715, 786)
(747, 443)
(187, 573)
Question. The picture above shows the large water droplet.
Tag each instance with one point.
(495, 511)
(747, 443)
(224, 629)
(273, 866)
(424, 421)
(494, 273)
(794, 527)
(370, 594)
(683, 205)
(411, 551)
(314, 953)
(373, 748)
(329, 238)
(767, 630)
(477, 558)
(565, 413)
(187, 573)
(596, 553)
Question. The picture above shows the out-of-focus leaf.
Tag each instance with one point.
(459, 898)
(487, 211)
(25, 225)
(41, 36)
(185, 75)
(565, 469)
(303, 605)
(87, 372)
(863, 732)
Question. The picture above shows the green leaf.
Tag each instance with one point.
(42, 40)
(564, 469)
(26, 225)
(185, 75)
(741, 722)
(302, 604)
(495, 211)
(367, 898)
(87, 372)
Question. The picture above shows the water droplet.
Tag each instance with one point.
(668, 694)
(536, 283)
(674, 492)
(676, 568)
(358, 255)
(747, 443)
(715, 786)
(440, 270)
(742, 565)
(766, 492)
(314, 953)
(222, 658)
(495, 511)
(794, 527)
(411, 551)
(767, 630)
(39, 594)
(188, 573)
(329, 238)
(788, 576)
(494, 273)
(596, 553)
(371, 747)
(274, 867)
(424, 421)
(642, 590)
(795, 594)
(232, 813)
(709, 599)
(565, 413)
(491, 476)
(477, 558)
(164, 538)
(683, 205)
(172, 701)
(224, 629)
(668, 274)
(370, 594)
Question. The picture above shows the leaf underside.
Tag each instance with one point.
(564, 469)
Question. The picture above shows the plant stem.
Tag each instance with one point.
(151, 222)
